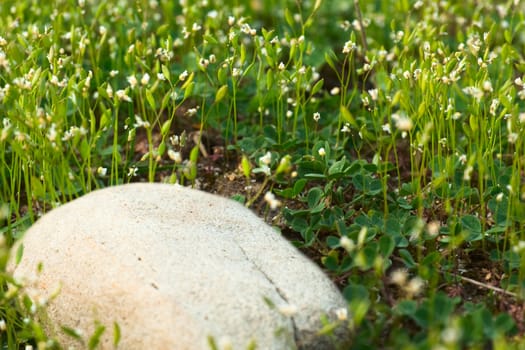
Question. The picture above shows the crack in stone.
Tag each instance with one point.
(277, 289)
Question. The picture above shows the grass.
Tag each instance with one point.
(386, 137)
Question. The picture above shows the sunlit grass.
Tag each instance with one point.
(388, 133)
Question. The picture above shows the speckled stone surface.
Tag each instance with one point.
(174, 266)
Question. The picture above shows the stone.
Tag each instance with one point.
(173, 266)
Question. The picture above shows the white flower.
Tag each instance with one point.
(132, 171)
(101, 171)
(487, 86)
(113, 73)
(109, 91)
(374, 93)
(322, 152)
(335, 91)
(281, 66)
(132, 80)
(145, 79)
(474, 92)
(433, 228)
(467, 173)
(403, 123)
(287, 310)
(161, 76)
(349, 47)
(123, 95)
(399, 277)
(102, 30)
(3, 325)
(139, 122)
(183, 75)
(317, 116)
(175, 156)
(347, 243)
(345, 128)
(342, 314)
(274, 203)
(266, 159)
(414, 286)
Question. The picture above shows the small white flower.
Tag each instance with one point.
(145, 79)
(102, 30)
(132, 80)
(175, 156)
(317, 116)
(113, 73)
(374, 94)
(322, 152)
(487, 86)
(101, 171)
(349, 47)
(346, 128)
(335, 91)
(161, 77)
(123, 96)
(183, 75)
(269, 198)
(266, 159)
(281, 66)
(414, 286)
(3, 325)
(450, 335)
(109, 91)
(287, 310)
(467, 173)
(399, 277)
(342, 314)
(433, 228)
(347, 243)
(403, 123)
(191, 112)
(132, 171)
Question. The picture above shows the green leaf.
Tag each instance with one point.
(407, 258)
(246, 166)
(73, 333)
(332, 242)
(95, 338)
(188, 90)
(165, 129)
(298, 187)
(471, 223)
(19, 253)
(329, 60)
(347, 116)
(166, 72)
(314, 197)
(405, 308)
(386, 246)
(116, 334)
(317, 87)
(337, 168)
(221, 93)
(151, 100)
